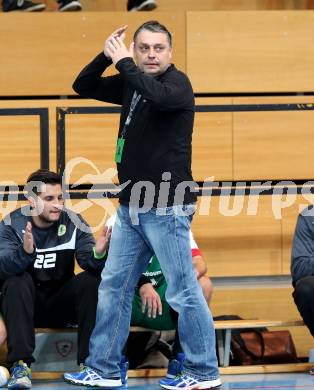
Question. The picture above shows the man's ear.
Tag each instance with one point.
(131, 49)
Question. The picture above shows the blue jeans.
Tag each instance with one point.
(131, 247)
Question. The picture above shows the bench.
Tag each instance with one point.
(224, 343)
(223, 331)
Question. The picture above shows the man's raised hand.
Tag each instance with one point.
(103, 241)
(117, 50)
(28, 239)
(120, 32)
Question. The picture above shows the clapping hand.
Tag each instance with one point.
(115, 47)
(28, 239)
(103, 241)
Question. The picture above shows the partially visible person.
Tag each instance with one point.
(302, 267)
(70, 5)
(141, 5)
(3, 331)
(38, 247)
(30, 6)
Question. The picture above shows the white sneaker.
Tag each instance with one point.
(89, 377)
(187, 382)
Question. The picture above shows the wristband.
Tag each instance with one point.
(99, 257)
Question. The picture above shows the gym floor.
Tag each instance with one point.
(291, 381)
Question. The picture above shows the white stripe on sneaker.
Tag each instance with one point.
(186, 382)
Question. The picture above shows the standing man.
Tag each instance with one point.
(38, 247)
(157, 202)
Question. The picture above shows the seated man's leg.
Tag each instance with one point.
(87, 294)
(76, 304)
(304, 299)
(18, 297)
(18, 307)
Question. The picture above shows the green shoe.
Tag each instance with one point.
(21, 376)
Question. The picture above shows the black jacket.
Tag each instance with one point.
(159, 136)
(302, 259)
(57, 247)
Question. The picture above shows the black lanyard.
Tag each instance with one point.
(135, 99)
(121, 139)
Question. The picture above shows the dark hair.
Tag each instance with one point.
(154, 26)
(43, 176)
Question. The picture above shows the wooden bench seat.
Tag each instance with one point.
(224, 339)
(223, 331)
(71, 330)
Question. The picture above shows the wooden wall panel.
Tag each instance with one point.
(34, 162)
(212, 142)
(240, 244)
(19, 147)
(44, 52)
(92, 138)
(253, 303)
(20, 152)
(273, 144)
(262, 51)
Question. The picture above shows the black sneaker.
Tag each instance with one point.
(141, 5)
(69, 5)
(22, 5)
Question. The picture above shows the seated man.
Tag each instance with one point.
(302, 267)
(38, 247)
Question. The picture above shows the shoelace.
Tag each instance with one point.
(82, 367)
(19, 372)
(179, 375)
